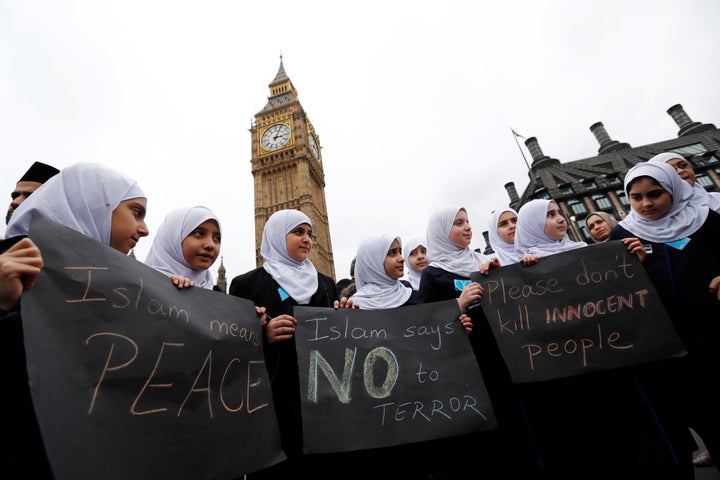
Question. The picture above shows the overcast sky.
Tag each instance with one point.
(413, 100)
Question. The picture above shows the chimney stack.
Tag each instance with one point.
(512, 192)
(540, 160)
(488, 249)
(534, 149)
(607, 144)
(687, 126)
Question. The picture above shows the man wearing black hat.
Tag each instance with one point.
(36, 175)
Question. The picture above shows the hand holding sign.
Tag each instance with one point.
(134, 378)
(583, 310)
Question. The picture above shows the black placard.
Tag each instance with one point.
(134, 378)
(575, 312)
(376, 378)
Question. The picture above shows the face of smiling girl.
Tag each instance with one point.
(202, 246)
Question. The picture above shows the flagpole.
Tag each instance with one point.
(515, 135)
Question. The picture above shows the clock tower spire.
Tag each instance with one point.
(287, 168)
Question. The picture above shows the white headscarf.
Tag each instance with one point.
(375, 289)
(504, 251)
(684, 218)
(413, 276)
(701, 196)
(298, 279)
(530, 236)
(166, 253)
(81, 197)
(445, 254)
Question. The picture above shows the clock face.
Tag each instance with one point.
(314, 146)
(275, 136)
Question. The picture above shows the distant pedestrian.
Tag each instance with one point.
(415, 249)
(599, 225)
(36, 175)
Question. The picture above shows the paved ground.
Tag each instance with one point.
(705, 473)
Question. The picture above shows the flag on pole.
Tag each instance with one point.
(515, 136)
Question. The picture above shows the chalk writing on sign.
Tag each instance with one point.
(385, 377)
(139, 372)
(588, 309)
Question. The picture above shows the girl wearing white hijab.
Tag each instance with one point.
(379, 264)
(639, 427)
(685, 170)
(90, 198)
(286, 278)
(448, 276)
(680, 239)
(417, 260)
(186, 245)
(542, 230)
(680, 217)
(102, 204)
(712, 199)
(502, 229)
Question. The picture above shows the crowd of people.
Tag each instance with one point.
(639, 417)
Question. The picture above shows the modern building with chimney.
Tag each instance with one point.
(596, 183)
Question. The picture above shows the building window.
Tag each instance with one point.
(622, 197)
(584, 231)
(704, 180)
(690, 150)
(703, 160)
(577, 207)
(602, 202)
(565, 189)
(541, 193)
(613, 180)
(590, 184)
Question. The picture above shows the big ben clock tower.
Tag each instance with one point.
(287, 168)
